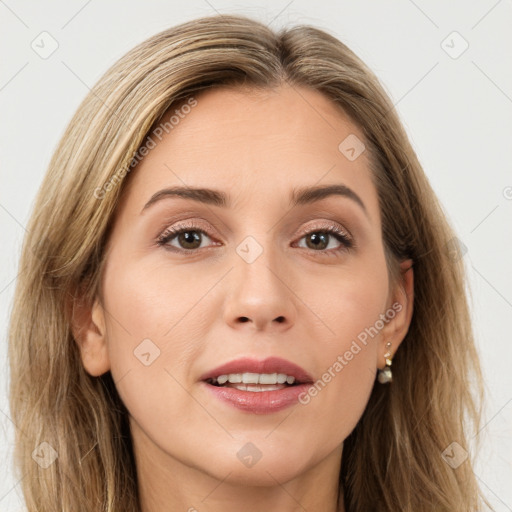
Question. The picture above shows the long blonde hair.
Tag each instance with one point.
(393, 458)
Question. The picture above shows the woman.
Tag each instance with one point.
(240, 292)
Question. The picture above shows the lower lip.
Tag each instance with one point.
(259, 402)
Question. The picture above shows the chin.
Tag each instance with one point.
(260, 475)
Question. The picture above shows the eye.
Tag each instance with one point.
(190, 237)
(319, 240)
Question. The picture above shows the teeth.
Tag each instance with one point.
(267, 378)
(250, 378)
(254, 378)
(257, 387)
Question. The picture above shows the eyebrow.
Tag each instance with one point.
(299, 196)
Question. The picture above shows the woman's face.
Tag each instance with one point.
(255, 276)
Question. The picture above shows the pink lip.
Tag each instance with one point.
(259, 402)
(269, 365)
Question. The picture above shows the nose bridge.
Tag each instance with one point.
(259, 290)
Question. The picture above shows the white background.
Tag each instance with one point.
(457, 112)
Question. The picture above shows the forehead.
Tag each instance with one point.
(253, 144)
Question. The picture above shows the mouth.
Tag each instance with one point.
(254, 382)
(258, 387)
(250, 374)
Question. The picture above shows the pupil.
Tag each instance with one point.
(189, 237)
(322, 238)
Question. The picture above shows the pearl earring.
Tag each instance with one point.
(385, 375)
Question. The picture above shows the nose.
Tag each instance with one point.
(259, 296)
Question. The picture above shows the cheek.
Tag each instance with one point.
(351, 309)
(139, 297)
(152, 301)
(159, 317)
(350, 304)
(151, 342)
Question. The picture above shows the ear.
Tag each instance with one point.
(88, 328)
(401, 307)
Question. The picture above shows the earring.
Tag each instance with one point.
(385, 375)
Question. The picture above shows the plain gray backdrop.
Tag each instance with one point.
(447, 68)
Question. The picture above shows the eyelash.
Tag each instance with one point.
(346, 242)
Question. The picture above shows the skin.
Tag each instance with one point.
(255, 146)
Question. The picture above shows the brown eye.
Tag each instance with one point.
(320, 239)
(186, 238)
(189, 239)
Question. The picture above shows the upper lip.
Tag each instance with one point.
(269, 365)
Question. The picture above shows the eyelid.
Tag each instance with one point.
(327, 224)
(205, 225)
(191, 224)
